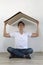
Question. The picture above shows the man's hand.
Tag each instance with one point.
(5, 23)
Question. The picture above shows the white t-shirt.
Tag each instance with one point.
(21, 40)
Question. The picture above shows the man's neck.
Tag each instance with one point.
(21, 32)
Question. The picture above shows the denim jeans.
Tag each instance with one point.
(20, 52)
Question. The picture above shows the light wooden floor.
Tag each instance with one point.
(37, 59)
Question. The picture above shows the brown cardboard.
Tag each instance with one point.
(17, 16)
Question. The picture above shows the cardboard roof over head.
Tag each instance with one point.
(18, 16)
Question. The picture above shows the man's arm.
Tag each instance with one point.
(37, 32)
(5, 34)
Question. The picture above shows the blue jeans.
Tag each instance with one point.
(20, 52)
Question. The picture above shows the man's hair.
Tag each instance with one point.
(21, 22)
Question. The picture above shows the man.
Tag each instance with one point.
(21, 49)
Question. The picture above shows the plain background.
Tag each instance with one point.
(33, 8)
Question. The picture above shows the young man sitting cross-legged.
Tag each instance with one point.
(21, 49)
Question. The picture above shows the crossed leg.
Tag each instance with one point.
(19, 52)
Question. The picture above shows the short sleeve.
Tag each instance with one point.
(12, 34)
(29, 34)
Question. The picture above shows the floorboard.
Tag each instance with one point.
(37, 59)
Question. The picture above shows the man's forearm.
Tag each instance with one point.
(4, 29)
(37, 29)
(5, 34)
(37, 32)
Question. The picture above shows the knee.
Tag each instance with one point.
(9, 48)
(31, 50)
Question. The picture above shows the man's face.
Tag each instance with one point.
(21, 26)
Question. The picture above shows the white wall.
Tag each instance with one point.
(33, 8)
